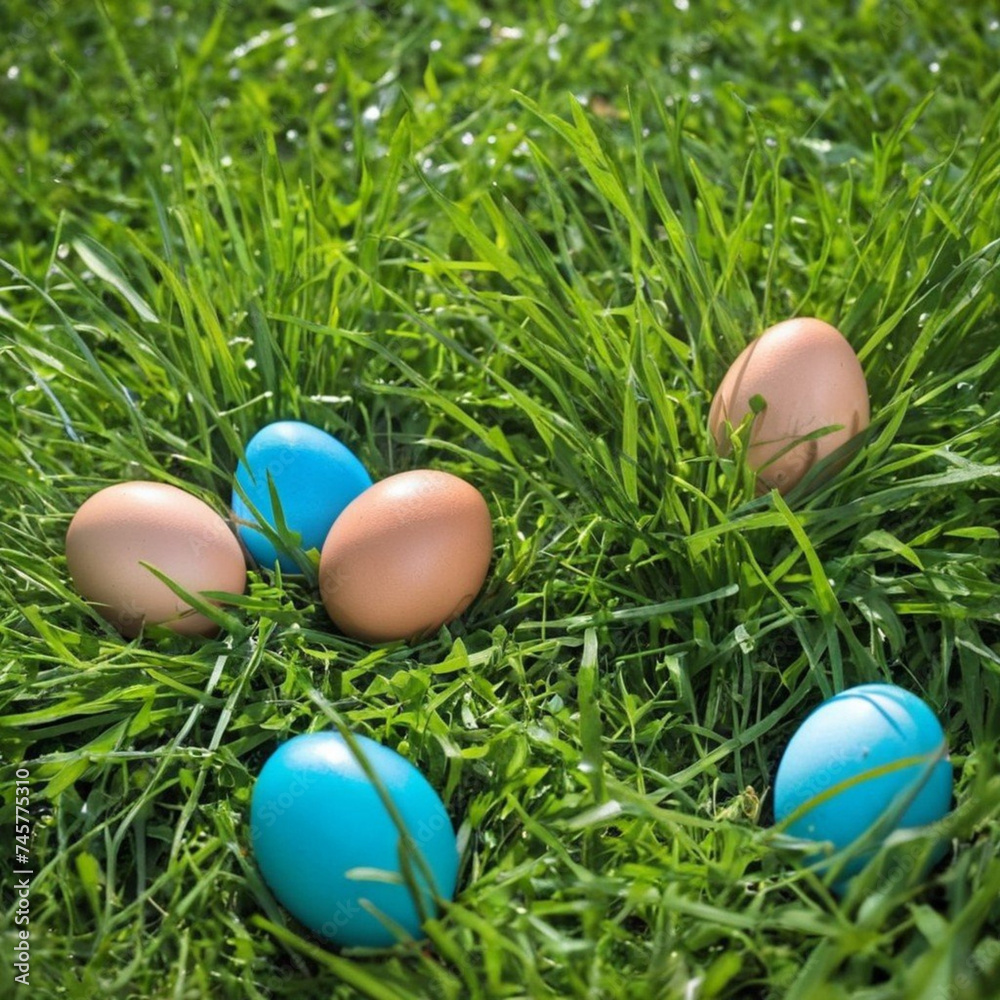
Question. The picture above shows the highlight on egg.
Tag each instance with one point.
(334, 855)
(809, 378)
(406, 557)
(122, 526)
(870, 760)
(315, 477)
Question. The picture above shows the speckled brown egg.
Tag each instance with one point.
(123, 526)
(406, 557)
(809, 378)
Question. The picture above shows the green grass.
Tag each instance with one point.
(521, 243)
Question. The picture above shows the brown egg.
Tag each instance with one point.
(809, 378)
(124, 525)
(406, 557)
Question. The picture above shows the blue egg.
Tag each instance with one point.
(315, 477)
(855, 757)
(315, 817)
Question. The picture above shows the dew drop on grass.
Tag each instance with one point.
(435, 45)
(63, 251)
(371, 114)
(468, 138)
(13, 73)
(682, 4)
(797, 24)
(935, 67)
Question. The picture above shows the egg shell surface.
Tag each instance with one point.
(315, 477)
(121, 526)
(809, 378)
(851, 736)
(315, 815)
(406, 557)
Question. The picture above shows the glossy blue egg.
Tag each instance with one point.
(316, 820)
(858, 755)
(315, 477)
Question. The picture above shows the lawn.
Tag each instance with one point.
(521, 243)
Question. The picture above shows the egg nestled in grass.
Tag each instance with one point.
(870, 760)
(802, 376)
(123, 526)
(406, 557)
(315, 477)
(335, 855)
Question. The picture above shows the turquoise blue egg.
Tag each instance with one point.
(831, 768)
(315, 816)
(315, 477)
